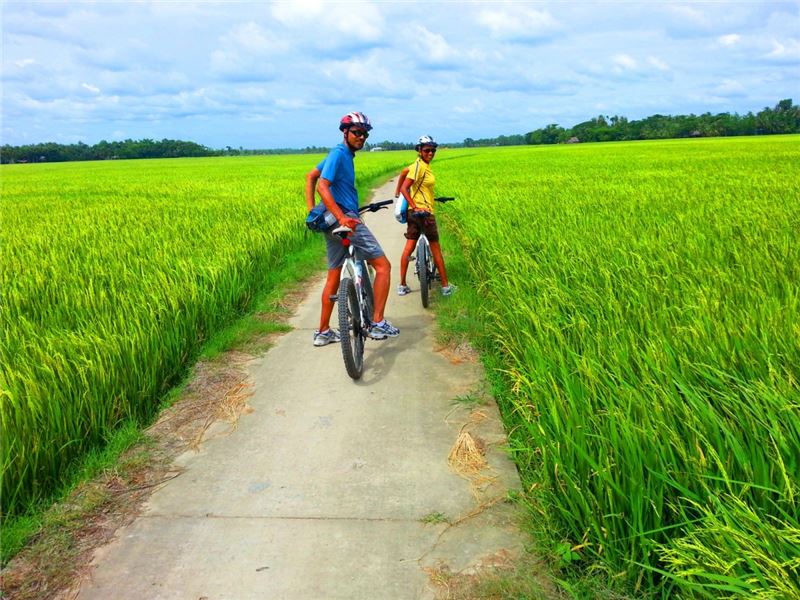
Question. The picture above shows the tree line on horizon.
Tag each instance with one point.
(781, 119)
(147, 148)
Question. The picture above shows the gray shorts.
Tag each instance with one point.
(367, 247)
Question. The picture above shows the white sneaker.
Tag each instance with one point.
(448, 290)
(381, 332)
(402, 290)
(323, 338)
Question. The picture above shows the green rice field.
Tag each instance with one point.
(113, 274)
(643, 303)
(640, 301)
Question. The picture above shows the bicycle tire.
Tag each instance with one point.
(423, 272)
(352, 340)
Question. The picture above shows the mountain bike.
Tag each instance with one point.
(355, 299)
(424, 267)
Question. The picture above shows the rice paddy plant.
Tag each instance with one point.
(644, 299)
(113, 275)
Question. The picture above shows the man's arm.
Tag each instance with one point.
(311, 186)
(324, 189)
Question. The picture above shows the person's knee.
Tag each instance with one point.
(381, 265)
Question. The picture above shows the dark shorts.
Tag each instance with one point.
(367, 247)
(427, 225)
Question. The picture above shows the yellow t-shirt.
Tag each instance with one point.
(421, 190)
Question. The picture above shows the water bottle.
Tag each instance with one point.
(330, 220)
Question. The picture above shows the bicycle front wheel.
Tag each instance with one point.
(366, 288)
(423, 271)
(352, 341)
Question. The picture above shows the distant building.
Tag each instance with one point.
(376, 149)
(573, 140)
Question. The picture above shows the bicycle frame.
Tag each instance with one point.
(355, 300)
(357, 270)
(424, 265)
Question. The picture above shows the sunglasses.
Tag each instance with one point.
(429, 150)
(359, 133)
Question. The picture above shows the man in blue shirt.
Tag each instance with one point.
(335, 181)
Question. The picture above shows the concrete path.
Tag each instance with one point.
(330, 488)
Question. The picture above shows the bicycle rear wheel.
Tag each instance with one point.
(423, 271)
(352, 342)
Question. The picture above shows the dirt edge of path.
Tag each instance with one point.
(58, 560)
(55, 562)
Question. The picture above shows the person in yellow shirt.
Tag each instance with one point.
(416, 184)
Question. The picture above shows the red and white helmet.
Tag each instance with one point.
(355, 118)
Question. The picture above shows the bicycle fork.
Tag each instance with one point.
(366, 320)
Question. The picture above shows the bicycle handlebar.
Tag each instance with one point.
(372, 207)
(375, 206)
(442, 199)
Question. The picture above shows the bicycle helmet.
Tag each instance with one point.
(425, 140)
(354, 118)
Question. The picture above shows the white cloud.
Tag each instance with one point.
(718, 19)
(293, 104)
(297, 12)
(730, 87)
(690, 15)
(362, 21)
(434, 45)
(219, 72)
(730, 39)
(468, 108)
(316, 20)
(253, 38)
(785, 51)
(624, 62)
(518, 22)
(657, 63)
(368, 75)
(431, 48)
(248, 52)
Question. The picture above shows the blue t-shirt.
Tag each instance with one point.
(338, 168)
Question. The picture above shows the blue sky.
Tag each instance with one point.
(281, 74)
